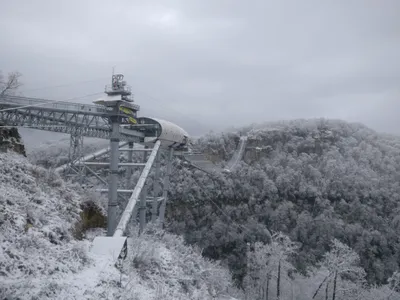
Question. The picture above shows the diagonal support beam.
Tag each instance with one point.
(91, 156)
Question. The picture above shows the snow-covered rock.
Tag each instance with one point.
(11, 140)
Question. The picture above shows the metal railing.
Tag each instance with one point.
(122, 88)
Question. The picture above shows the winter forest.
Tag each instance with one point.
(312, 212)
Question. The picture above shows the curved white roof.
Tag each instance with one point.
(168, 124)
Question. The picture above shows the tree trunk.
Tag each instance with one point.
(278, 282)
(267, 291)
(262, 293)
(319, 287)
(334, 287)
(326, 291)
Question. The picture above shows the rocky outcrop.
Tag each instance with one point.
(10, 140)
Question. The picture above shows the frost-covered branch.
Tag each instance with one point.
(10, 84)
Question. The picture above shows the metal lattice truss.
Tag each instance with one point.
(64, 117)
(75, 145)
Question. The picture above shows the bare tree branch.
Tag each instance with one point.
(11, 84)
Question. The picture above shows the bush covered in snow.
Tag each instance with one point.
(175, 269)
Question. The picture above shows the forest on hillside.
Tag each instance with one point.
(314, 203)
(315, 181)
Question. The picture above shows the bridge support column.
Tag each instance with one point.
(113, 181)
(142, 213)
(145, 154)
(156, 188)
(76, 152)
(166, 187)
(129, 169)
(75, 145)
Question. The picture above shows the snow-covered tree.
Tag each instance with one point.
(394, 282)
(268, 262)
(342, 262)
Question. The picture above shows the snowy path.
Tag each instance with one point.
(84, 283)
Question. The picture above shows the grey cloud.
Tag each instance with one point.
(213, 64)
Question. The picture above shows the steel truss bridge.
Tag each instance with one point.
(61, 116)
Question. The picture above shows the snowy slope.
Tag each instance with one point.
(37, 211)
(40, 259)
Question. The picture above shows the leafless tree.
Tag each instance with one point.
(270, 261)
(9, 84)
(341, 261)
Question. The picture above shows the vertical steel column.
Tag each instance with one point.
(75, 144)
(142, 213)
(113, 182)
(129, 169)
(166, 187)
(130, 207)
(76, 151)
(145, 155)
(156, 188)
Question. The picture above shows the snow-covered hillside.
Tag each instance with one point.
(37, 213)
(40, 258)
(313, 180)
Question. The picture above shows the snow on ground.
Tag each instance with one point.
(41, 259)
(173, 270)
(37, 211)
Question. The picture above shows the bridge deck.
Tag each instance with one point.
(39, 104)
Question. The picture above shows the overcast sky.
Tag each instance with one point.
(215, 63)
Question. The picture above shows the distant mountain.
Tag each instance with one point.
(314, 180)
